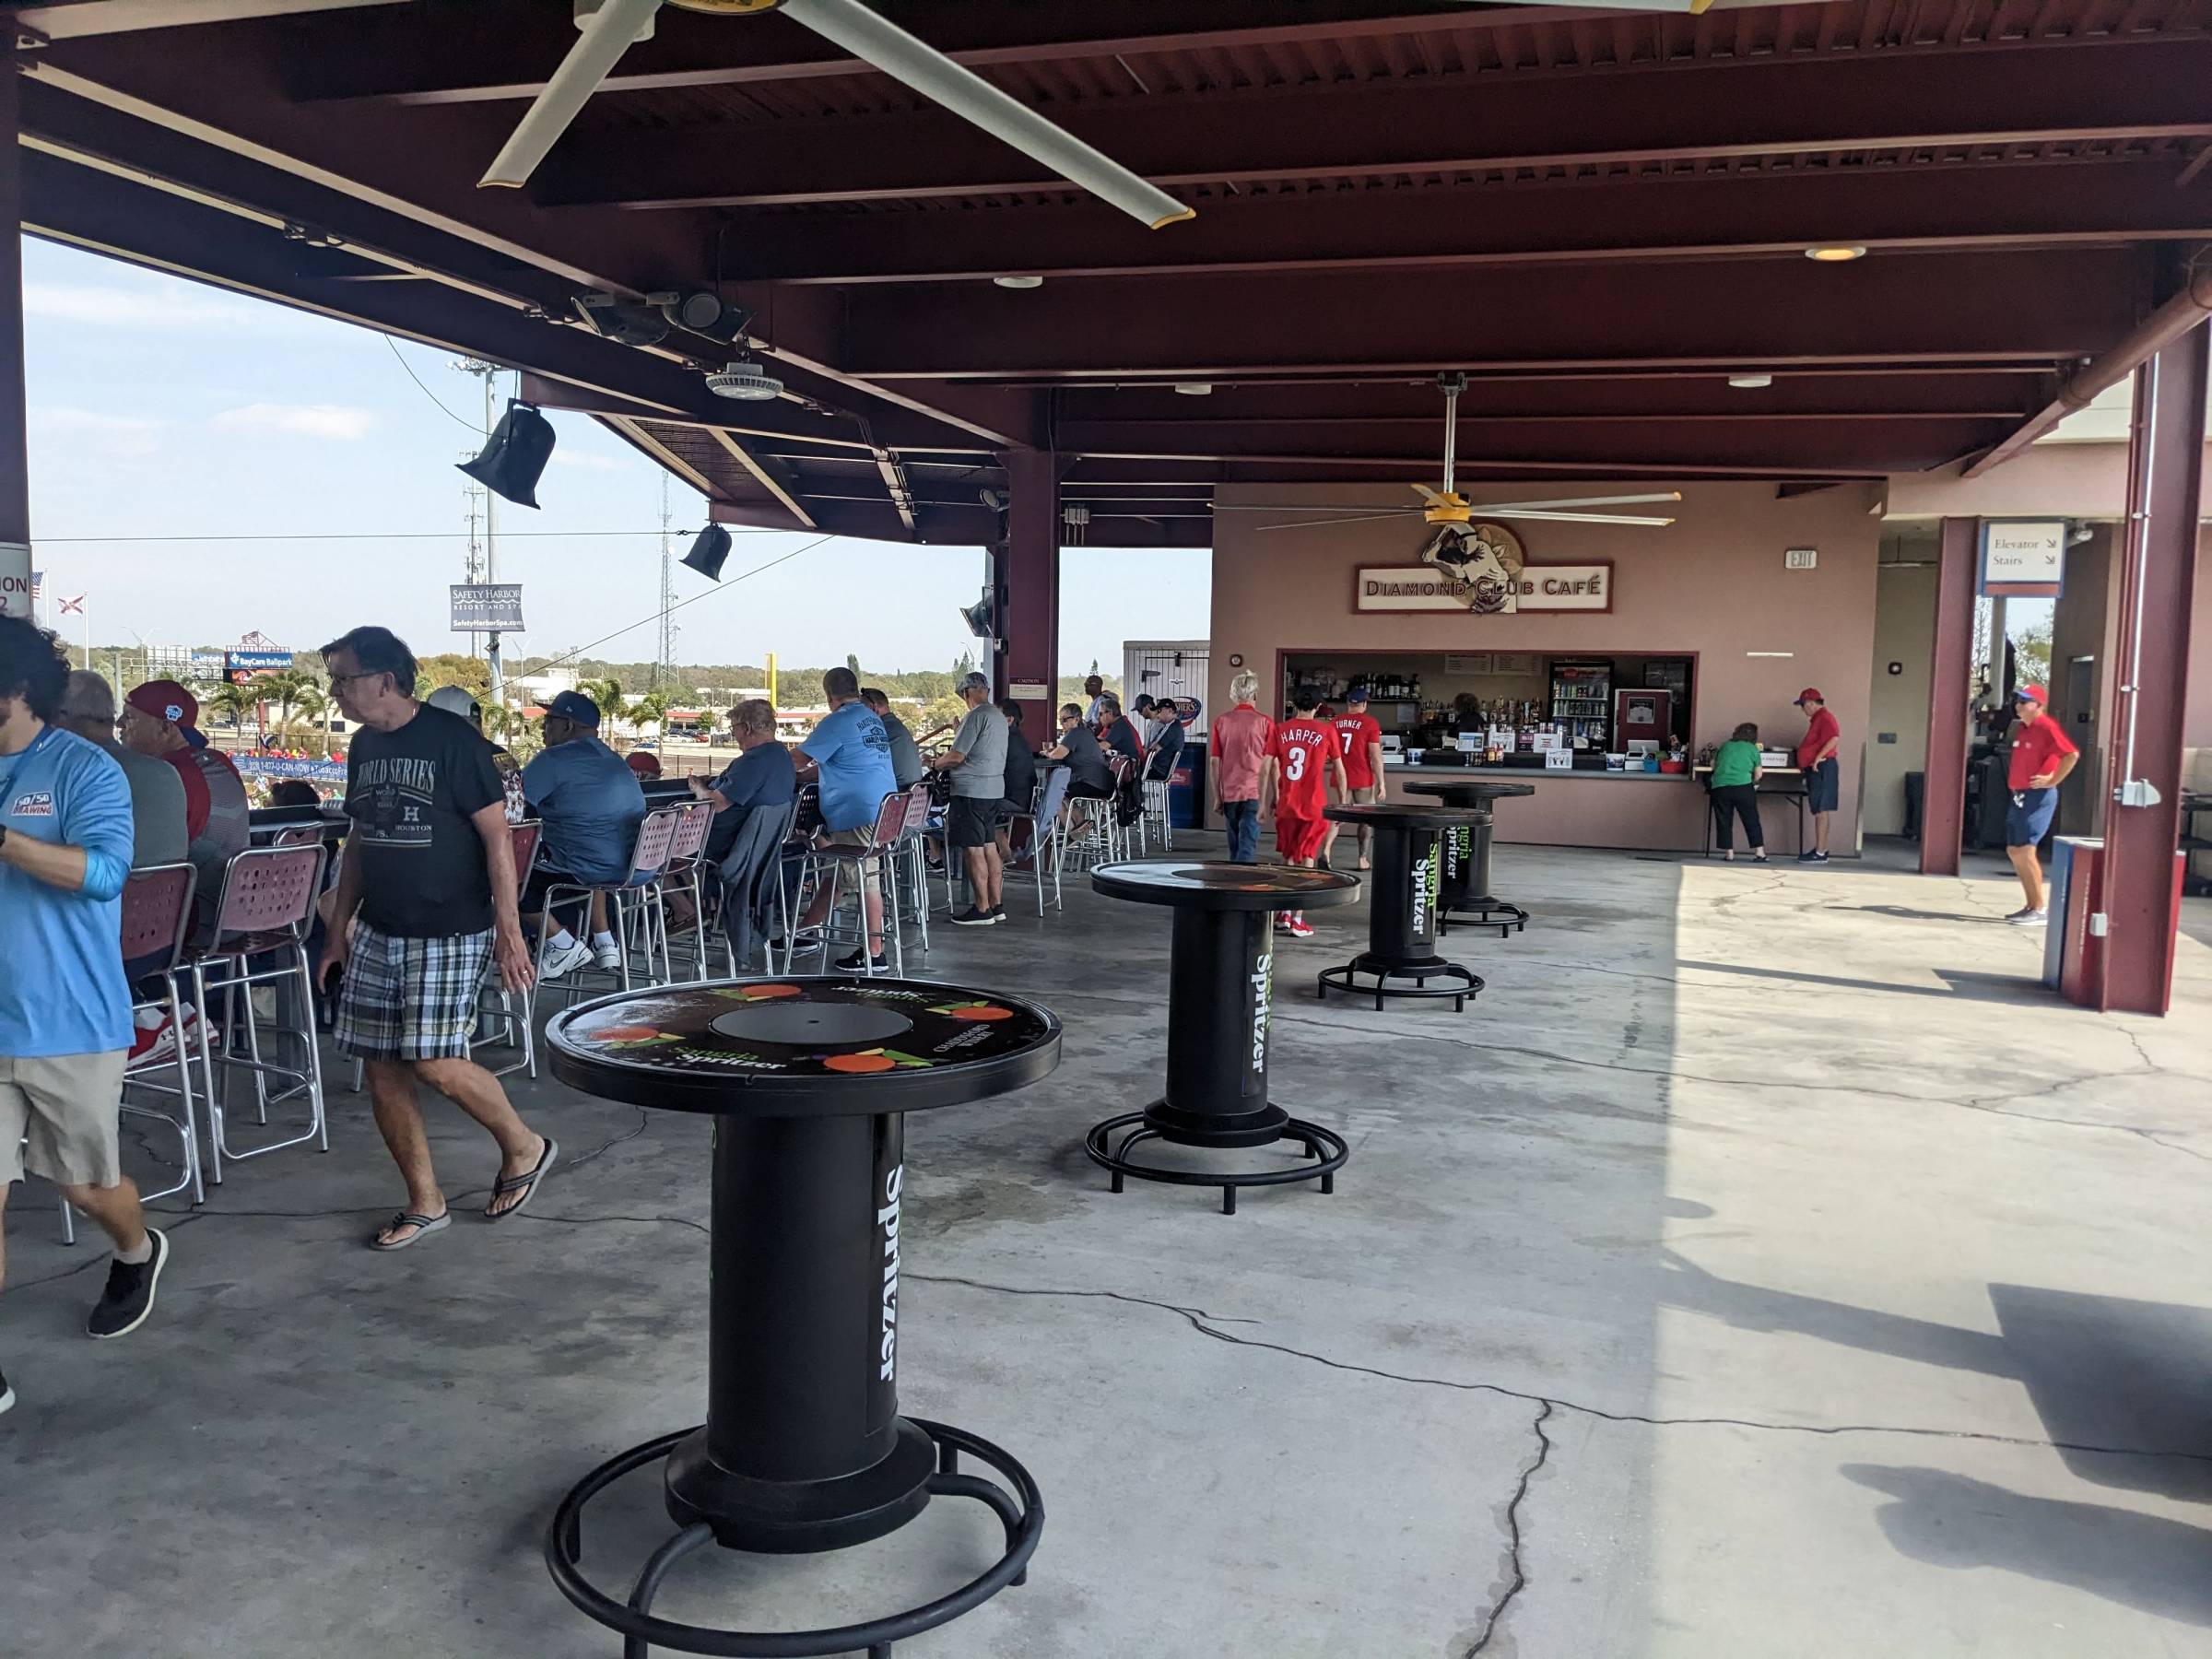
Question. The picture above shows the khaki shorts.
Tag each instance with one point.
(65, 1107)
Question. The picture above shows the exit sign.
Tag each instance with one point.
(1800, 558)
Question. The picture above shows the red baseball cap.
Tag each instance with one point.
(2034, 694)
(644, 764)
(1810, 694)
(165, 699)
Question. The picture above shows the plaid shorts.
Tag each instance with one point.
(410, 999)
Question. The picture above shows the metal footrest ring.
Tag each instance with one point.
(1507, 918)
(1464, 984)
(1327, 1154)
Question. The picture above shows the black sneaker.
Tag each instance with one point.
(7, 1394)
(129, 1298)
(998, 913)
(859, 962)
(971, 917)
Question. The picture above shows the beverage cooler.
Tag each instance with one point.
(1642, 714)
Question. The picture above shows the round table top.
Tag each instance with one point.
(1390, 815)
(1228, 887)
(803, 1047)
(1464, 791)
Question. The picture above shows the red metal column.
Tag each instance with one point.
(1028, 570)
(14, 458)
(1942, 796)
(2158, 586)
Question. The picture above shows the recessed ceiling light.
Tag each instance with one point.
(1750, 382)
(1836, 253)
(1195, 388)
(1032, 282)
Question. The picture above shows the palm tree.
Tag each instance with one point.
(651, 709)
(232, 702)
(314, 704)
(607, 694)
(284, 690)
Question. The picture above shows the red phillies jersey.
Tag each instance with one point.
(1302, 749)
(1356, 732)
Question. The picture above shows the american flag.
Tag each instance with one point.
(38, 583)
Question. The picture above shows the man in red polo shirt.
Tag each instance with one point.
(1359, 737)
(2041, 757)
(1239, 741)
(1823, 773)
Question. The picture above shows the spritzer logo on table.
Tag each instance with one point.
(887, 1219)
(1262, 1005)
(1424, 887)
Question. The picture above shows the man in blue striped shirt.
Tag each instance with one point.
(65, 838)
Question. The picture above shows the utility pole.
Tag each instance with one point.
(664, 670)
(485, 372)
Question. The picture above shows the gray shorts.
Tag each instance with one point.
(58, 1117)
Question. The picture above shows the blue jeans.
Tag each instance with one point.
(1244, 820)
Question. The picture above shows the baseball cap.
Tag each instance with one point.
(973, 680)
(453, 700)
(645, 764)
(575, 706)
(2034, 694)
(1356, 696)
(165, 699)
(1810, 694)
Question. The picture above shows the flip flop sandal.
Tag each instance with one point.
(526, 1183)
(424, 1227)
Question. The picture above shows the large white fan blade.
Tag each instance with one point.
(1308, 523)
(1552, 506)
(1425, 493)
(1366, 507)
(1573, 518)
(903, 57)
(606, 35)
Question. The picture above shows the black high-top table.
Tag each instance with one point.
(808, 1081)
(1407, 891)
(1466, 891)
(1221, 996)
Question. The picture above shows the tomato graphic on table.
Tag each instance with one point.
(747, 993)
(632, 1036)
(873, 1060)
(972, 1011)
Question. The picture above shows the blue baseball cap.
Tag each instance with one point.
(575, 706)
(1357, 694)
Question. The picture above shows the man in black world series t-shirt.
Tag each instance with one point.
(426, 899)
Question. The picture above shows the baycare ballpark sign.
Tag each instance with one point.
(1579, 587)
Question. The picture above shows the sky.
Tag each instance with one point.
(163, 408)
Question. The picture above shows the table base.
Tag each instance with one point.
(1325, 1149)
(1465, 984)
(1507, 918)
(1023, 1521)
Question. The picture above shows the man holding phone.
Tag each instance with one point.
(425, 898)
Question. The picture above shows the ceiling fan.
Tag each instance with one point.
(609, 27)
(1447, 509)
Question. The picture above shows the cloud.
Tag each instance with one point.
(95, 432)
(589, 462)
(172, 306)
(338, 421)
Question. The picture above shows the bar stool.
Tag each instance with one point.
(1047, 822)
(694, 821)
(496, 1019)
(1158, 813)
(631, 900)
(268, 904)
(833, 861)
(914, 843)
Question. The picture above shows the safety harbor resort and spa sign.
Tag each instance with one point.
(1563, 587)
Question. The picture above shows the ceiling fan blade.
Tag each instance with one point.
(1425, 493)
(1574, 518)
(1365, 507)
(1687, 7)
(1309, 523)
(1620, 500)
(607, 33)
(903, 57)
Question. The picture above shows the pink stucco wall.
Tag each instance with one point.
(1713, 584)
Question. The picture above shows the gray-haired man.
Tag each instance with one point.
(977, 762)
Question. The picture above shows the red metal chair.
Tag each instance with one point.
(632, 902)
(694, 822)
(268, 905)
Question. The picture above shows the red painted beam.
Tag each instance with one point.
(2151, 671)
(1771, 313)
(15, 455)
(1417, 127)
(1026, 565)
(1696, 215)
(1943, 798)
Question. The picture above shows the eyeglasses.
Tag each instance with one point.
(340, 679)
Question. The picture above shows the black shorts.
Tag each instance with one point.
(971, 821)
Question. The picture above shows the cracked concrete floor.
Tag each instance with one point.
(1763, 1266)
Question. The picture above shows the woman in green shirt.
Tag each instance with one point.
(1736, 774)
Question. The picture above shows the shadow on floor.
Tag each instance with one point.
(1907, 913)
(2101, 1371)
(1949, 1519)
(1958, 982)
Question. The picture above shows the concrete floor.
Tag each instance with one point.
(1764, 1265)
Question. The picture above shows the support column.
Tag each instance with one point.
(2150, 672)
(1027, 570)
(15, 458)
(1951, 699)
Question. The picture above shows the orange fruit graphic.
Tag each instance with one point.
(858, 1063)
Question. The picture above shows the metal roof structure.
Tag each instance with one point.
(1598, 215)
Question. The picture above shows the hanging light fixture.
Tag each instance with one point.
(515, 456)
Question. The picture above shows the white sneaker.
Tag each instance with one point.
(606, 956)
(2028, 918)
(559, 960)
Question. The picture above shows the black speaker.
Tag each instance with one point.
(708, 551)
(521, 445)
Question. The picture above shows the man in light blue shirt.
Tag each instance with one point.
(65, 839)
(849, 753)
(591, 804)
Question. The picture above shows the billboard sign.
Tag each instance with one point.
(487, 606)
(241, 666)
(14, 579)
